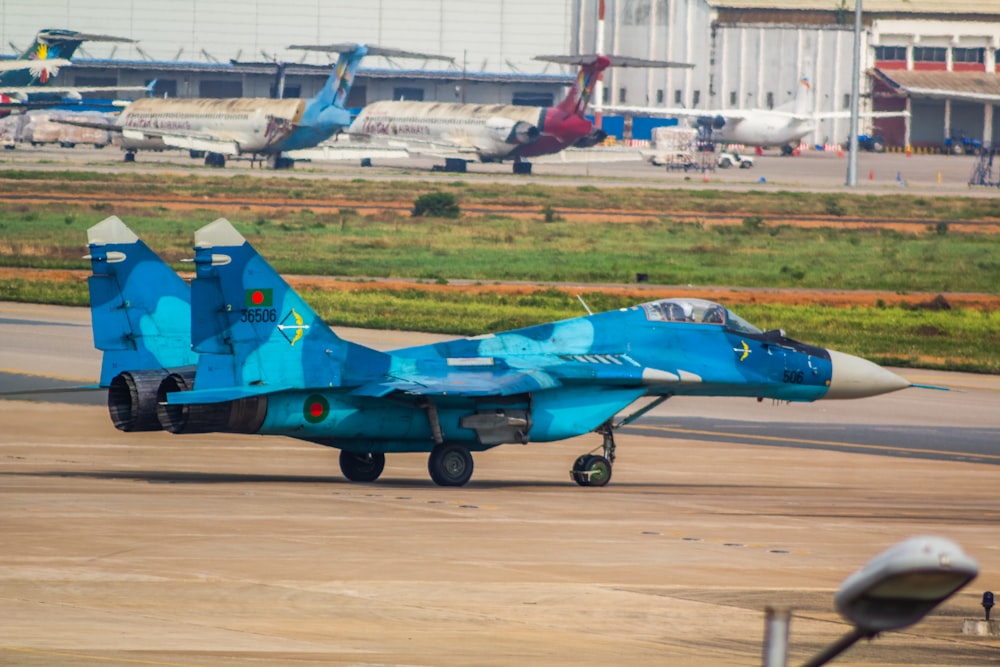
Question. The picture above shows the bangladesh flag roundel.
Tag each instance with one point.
(315, 409)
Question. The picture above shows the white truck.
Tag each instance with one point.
(673, 147)
(728, 158)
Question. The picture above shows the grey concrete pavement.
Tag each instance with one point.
(156, 549)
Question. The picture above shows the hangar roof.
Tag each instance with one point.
(982, 87)
(870, 6)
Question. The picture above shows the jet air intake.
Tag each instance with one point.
(592, 139)
(711, 122)
(512, 132)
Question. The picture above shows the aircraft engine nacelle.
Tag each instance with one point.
(711, 122)
(132, 400)
(592, 139)
(245, 415)
(512, 132)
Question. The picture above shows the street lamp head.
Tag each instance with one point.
(902, 584)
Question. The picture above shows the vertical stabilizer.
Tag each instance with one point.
(803, 97)
(140, 308)
(50, 44)
(338, 85)
(252, 329)
(579, 94)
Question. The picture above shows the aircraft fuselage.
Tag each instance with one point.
(764, 129)
(262, 126)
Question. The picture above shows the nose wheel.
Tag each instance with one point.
(595, 469)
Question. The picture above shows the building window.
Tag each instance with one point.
(606, 96)
(220, 89)
(732, 98)
(357, 98)
(697, 98)
(621, 96)
(770, 100)
(960, 55)
(847, 100)
(288, 92)
(678, 97)
(890, 53)
(526, 98)
(163, 87)
(659, 96)
(929, 54)
(409, 94)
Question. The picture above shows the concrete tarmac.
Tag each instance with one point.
(155, 549)
(815, 171)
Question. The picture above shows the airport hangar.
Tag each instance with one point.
(941, 66)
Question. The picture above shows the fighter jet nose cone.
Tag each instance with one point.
(854, 377)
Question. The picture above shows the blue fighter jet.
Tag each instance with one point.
(241, 352)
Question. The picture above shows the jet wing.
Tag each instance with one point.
(437, 148)
(36, 66)
(736, 115)
(195, 141)
(69, 90)
(484, 382)
(731, 115)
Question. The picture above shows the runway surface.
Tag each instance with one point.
(211, 550)
(817, 171)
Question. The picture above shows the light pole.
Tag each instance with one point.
(852, 141)
(894, 590)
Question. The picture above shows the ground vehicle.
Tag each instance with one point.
(874, 143)
(959, 144)
(729, 159)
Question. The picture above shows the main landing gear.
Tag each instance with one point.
(449, 464)
(361, 466)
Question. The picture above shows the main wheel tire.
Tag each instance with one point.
(450, 465)
(361, 466)
(592, 470)
(578, 467)
(600, 470)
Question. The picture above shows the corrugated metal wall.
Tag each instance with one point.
(490, 35)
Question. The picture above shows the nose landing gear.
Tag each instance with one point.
(595, 469)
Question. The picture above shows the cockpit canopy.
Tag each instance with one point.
(696, 311)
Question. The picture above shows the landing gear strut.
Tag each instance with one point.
(595, 469)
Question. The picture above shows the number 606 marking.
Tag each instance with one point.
(793, 377)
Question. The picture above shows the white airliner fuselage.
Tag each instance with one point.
(486, 132)
(243, 125)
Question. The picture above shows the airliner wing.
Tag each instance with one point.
(438, 148)
(863, 114)
(735, 115)
(35, 65)
(68, 90)
(193, 141)
(731, 115)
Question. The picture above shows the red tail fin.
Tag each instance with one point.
(578, 98)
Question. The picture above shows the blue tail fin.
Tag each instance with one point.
(140, 308)
(338, 85)
(255, 334)
(50, 44)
